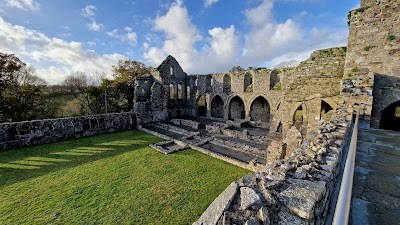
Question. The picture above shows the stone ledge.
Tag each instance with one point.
(218, 206)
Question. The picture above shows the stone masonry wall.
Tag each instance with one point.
(373, 53)
(14, 135)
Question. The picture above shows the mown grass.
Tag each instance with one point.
(108, 179)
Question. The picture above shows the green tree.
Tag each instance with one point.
(87, 89)
(9, 64)
(123, 85)
(21, 96)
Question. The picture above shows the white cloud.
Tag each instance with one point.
(129, 36)
(208, 3)
(267, 43)
(218, 53)
(95, 26)
(23, 4)
(146, 45)
(91, 43)
(54, 58)
(268, 38)
(270, 42)
(89, 11)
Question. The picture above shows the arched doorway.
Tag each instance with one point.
(274, 80)
(227, 83)
(217, 107)
(300, 119)
(326, 110)
(202, 106)
(260, 110)
(248, 82)
(236, 109)
(390, 118)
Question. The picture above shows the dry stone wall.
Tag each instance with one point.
(14, 135)
(296, 190)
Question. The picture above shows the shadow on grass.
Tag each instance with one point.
(29, 162)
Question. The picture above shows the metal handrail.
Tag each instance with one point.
(342, 210)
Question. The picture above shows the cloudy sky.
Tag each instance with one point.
(58, 37)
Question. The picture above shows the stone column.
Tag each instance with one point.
(208, 103)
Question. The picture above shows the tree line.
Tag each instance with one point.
(26, 96)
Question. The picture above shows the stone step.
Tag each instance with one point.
(378, 148)
(376, 187)
(366, 213)
(379, 132)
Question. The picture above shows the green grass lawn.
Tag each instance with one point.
(108, 179)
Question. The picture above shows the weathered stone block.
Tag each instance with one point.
(302, 196)
(249, 198)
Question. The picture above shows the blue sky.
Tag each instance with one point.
(59, 37)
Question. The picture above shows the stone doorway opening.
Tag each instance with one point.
(217, 107)
(326, 110)
(390, 118)
(260, 110)
(202, 106)
(236, 109)
(300, 119)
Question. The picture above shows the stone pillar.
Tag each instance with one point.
(286, 127)
(314, 112)
(208, 103)
(247, 113)
(184, 91)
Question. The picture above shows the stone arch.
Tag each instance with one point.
(326, 110)
(278, 105)
(274, 80)
(390, 117)
(202, 106)
(248, 82)
(299, 117)
(227, 83)
(260, 110)
(217, 107)
(236, 108)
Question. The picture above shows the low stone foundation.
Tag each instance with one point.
(14, 135)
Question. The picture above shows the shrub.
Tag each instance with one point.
(391, 37)
(367, 48)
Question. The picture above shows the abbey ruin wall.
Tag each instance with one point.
(372, 67)
(14, 135)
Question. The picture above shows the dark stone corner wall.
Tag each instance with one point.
(19, 134)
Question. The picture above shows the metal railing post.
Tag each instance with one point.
(343, 204)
